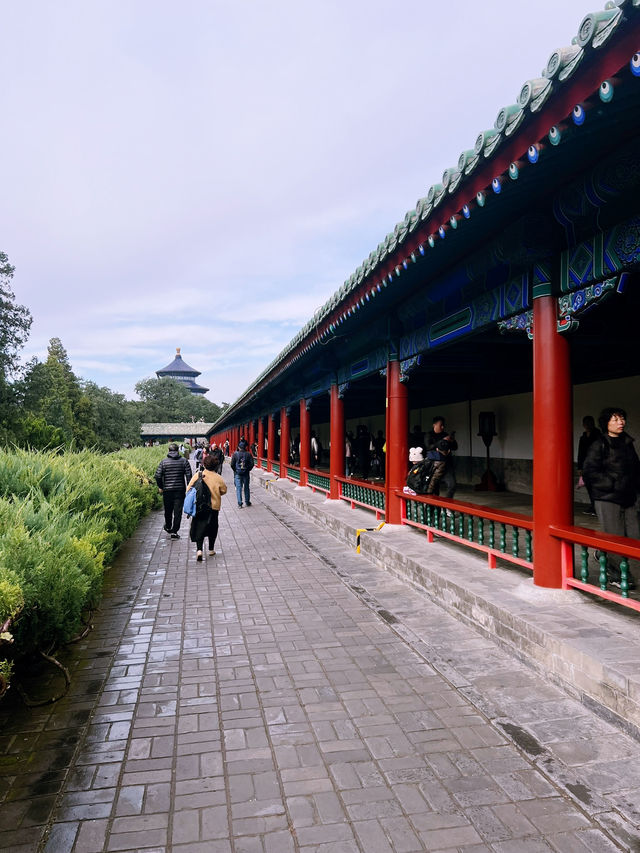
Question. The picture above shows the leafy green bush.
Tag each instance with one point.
(62, 518)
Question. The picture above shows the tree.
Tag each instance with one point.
(15, 320)
(52, 393)
(169, 401)
(115, 419)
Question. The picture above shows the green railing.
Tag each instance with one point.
(501, 535)
(317, 480)
(602, 570)
(293, 473)
(275, 467)
(359, 493)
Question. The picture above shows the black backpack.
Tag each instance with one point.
(203, 497)
(244, 462)
(419, 476)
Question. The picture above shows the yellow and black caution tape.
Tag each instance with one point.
(366, 530)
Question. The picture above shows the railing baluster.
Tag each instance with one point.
(503, 537)
(492, 535)
(584, 564)
(470, 528)
(515, 541)
(528, 549)
(624, 577)
(481, 531)
(602, 560)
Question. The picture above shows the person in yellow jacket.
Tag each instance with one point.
(207, 525)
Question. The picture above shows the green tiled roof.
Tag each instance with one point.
(619, 16)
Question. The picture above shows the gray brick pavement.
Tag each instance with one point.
(257, 702)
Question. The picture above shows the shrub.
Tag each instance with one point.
(62, 518)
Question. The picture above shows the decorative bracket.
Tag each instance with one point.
(579, 301)
(570, 306)
(342, 390)
(408, 366)
(518, 323)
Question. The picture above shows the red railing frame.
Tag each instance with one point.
(570, 536)
(342, 480)
(515, 519)
(319, 474)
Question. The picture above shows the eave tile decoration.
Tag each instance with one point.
(387, 263)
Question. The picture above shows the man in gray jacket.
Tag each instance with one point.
(172, 477)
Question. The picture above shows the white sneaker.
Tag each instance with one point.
(212, 553)
(199, 556)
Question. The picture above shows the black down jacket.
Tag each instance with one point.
(612, 470)
(173, 472)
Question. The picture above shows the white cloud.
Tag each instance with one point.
(207, 178)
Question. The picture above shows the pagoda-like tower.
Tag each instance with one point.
(180, 370)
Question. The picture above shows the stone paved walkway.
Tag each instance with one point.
(285, 695)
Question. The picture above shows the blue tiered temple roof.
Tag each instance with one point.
(182, 372)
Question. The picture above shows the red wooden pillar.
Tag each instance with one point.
(336, 459)
(305, 440)
(285, 440)
(252, 433)
(271, 441)
(552, 440)
(397, 420)
(260, 441)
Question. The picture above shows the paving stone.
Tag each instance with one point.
(258, 692)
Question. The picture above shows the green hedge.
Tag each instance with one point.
(62, 519)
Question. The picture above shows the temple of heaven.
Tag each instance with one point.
(180, 370)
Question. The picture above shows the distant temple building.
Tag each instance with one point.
(180, 370)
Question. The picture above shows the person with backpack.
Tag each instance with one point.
(241, 465)
(420, 472)
(209, 488)
(172, 475)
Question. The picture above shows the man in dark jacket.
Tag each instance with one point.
(172, 476)
(446, 488)
(612, 472)
(241, 464)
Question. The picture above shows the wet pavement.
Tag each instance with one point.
(286, 695)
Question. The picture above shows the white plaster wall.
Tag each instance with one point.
(514, 418)
(592, 398)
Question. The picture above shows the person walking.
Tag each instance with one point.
(172, 475)
(438, 433)
(241, 465)
(612, 472)
(217, 455)
(206, 524)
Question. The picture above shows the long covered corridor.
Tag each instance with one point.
(286, 695)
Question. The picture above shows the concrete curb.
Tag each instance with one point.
(589, 648)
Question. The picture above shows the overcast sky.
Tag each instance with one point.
(206, 174)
